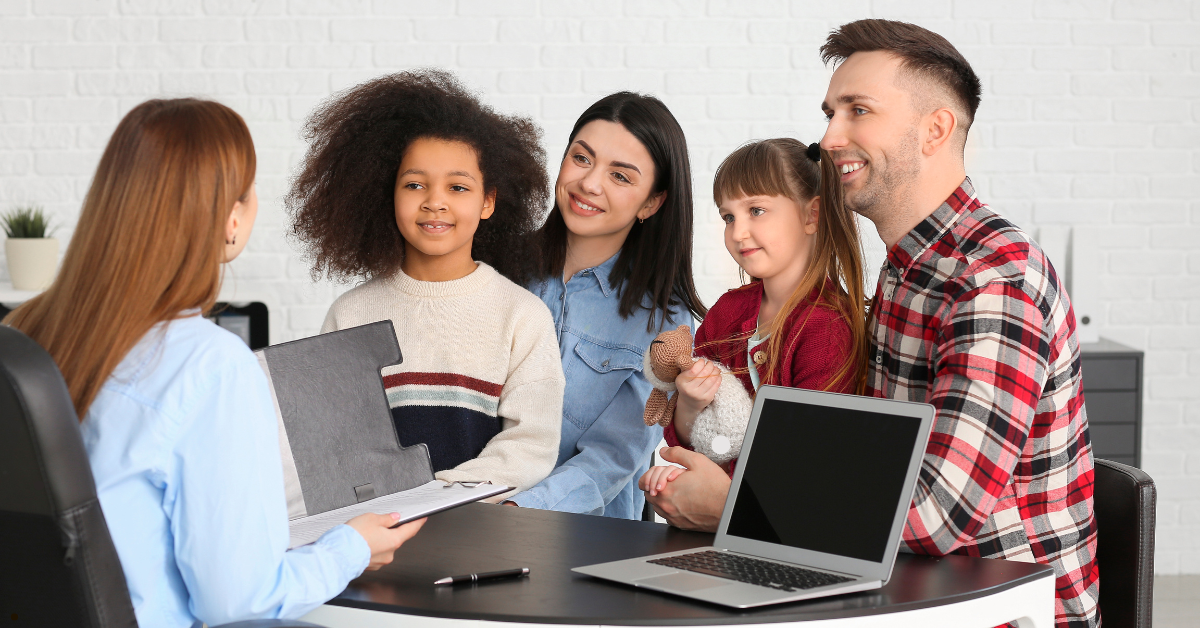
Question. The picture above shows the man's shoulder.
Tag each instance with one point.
(993, 252)
(993, 248)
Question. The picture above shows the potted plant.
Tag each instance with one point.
(32, 254)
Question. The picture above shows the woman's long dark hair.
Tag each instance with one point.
(655, 263)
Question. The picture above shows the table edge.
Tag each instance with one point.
(748, 618)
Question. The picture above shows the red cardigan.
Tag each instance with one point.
(813, 353)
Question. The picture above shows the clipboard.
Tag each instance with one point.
(337, 440)
(422, 501)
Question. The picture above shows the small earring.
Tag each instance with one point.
(641, 220)
(232, 242)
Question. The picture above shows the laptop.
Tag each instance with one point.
(816, 507)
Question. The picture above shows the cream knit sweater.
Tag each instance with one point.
(481, 370)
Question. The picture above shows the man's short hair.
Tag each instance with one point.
(922, 52)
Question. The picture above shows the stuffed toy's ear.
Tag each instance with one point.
(658, 410)
(685, 362)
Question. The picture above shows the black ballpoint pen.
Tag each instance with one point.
(487, 575)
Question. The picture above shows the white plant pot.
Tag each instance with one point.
(31, 262)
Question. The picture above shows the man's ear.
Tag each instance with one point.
(489, 205)
(939, 128)
(653, 204)
(813, 215)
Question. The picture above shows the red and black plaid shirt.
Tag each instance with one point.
(970, 316)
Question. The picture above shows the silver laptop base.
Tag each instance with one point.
(641, 573)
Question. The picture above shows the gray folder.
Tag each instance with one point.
(337, 438)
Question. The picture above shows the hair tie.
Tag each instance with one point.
(814, 151)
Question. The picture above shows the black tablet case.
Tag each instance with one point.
(332, 402)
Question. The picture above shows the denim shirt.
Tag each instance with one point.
(605, 445)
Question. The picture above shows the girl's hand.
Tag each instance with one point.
(383, 541)
(698, 385)
(697, 388)
(696, 499)
(656, 478)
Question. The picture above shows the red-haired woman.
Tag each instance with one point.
(175, 412)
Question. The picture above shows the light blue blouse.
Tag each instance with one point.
(605, 444)
(184, 447)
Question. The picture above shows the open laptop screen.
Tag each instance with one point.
(824, 479)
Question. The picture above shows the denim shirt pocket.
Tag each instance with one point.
(594, 378)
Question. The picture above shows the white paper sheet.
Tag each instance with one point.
(412, 504)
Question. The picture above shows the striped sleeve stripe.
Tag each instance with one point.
(443, 389)
(443, 379)
(453, 396)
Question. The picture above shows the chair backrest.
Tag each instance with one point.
(1124, 505)
(248, 321)
(58, 565)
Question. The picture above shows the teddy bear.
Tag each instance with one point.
(718, 430)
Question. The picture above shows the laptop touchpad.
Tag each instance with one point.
(682, 582)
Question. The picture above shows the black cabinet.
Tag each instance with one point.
(1112, 393)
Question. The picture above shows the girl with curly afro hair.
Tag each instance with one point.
(413, 185)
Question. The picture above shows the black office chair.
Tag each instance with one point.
(1124, 501)
(248, 321)
(58, 565)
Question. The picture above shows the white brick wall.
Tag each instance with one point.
(1089, 120)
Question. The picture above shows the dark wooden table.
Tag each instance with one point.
(485, 537)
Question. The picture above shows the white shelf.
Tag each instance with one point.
(10, 295)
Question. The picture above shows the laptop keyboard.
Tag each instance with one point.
(750, 570)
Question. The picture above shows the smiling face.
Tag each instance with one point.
(605, 182)
(440, 199)
(770, 237)
(873, 132)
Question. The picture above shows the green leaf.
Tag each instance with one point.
(26, 222)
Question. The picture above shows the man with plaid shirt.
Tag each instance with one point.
(968, 315)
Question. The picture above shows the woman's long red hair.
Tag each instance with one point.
(150, 239)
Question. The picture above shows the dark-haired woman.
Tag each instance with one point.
(616, 270)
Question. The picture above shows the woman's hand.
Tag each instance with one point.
(697, 388)
(383, 541)
(693, 500)
(655, 478)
